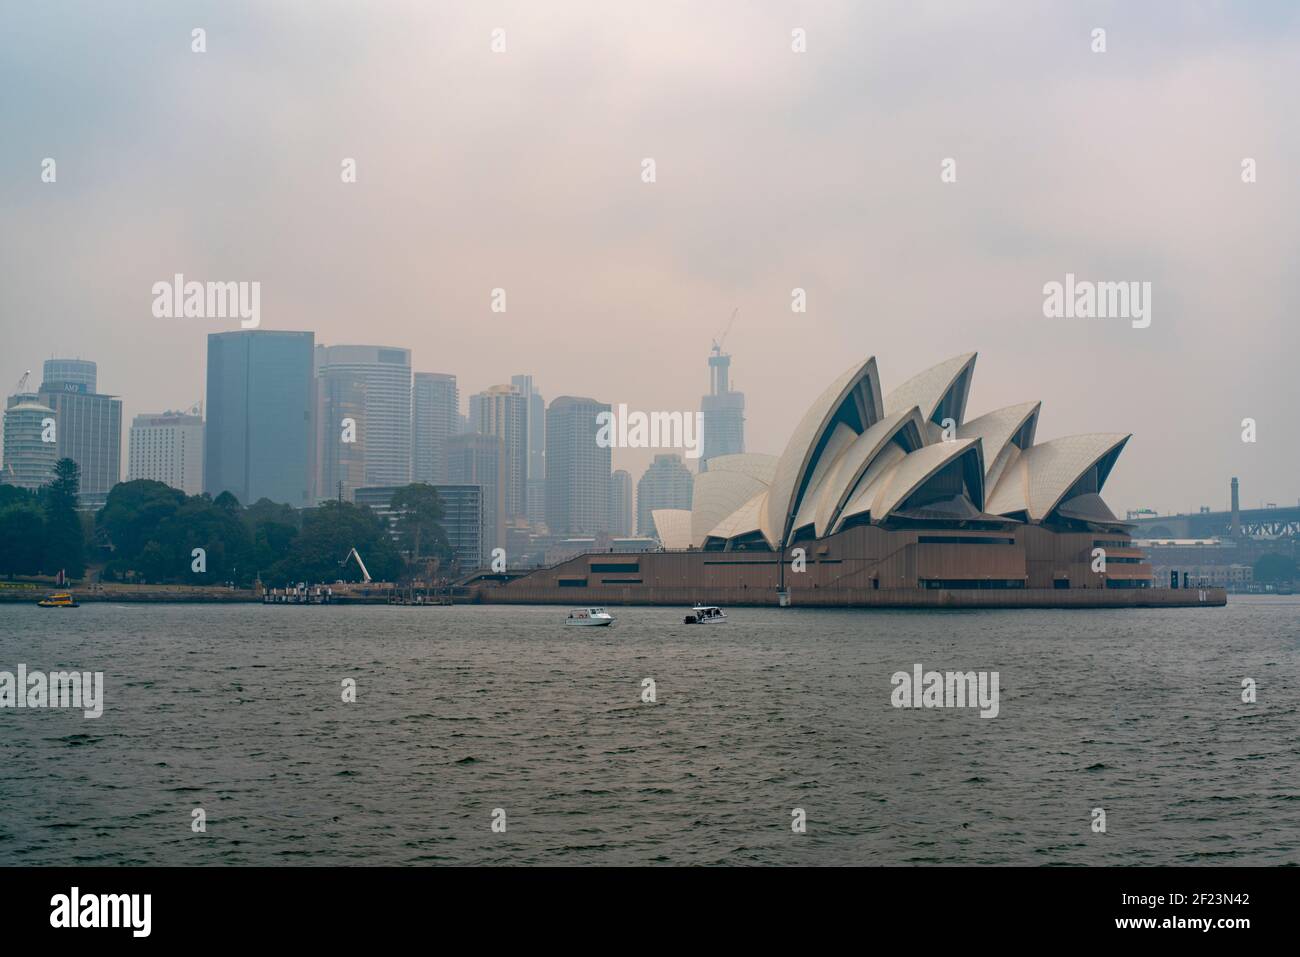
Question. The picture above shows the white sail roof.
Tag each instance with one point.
(1039, 478)
(852, 399)
(938, 392)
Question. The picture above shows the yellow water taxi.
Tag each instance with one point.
(60, 599)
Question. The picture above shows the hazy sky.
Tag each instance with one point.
(775, 170)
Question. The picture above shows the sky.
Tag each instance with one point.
(774, 170)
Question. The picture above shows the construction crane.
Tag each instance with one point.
(22, 383)
(717, 343)
(353, 554)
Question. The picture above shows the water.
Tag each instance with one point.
(462, 710)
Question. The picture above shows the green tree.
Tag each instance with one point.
(16, 495)
(419, 520)
(65, 546)
(218, 530)
(272, 526)
(22, 539)
(154, 530)
(328, 534)
(132, 514)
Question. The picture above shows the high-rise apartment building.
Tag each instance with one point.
(535, 481)
(502, 411)
(577, 468)
(435, 417)
(28, 455)
(260, 437)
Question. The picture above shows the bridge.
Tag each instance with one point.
(1254, 523)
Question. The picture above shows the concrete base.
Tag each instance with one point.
(859, 598)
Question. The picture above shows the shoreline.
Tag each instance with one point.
(27, 593)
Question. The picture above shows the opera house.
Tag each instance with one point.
(900, 500)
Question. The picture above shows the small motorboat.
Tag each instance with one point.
(60, 599)
(593, 617)
(705, 615)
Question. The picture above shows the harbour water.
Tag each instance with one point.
(464, 710)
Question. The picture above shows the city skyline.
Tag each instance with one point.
(621, 457)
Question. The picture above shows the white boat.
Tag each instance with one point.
(590, 617)
(705, 615)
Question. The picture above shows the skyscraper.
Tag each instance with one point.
(435, 414)
(340, 439)
(620, 504)
(502, 411)
(89, 425)
(167, 447)
(667, 483)
(535, 481)
(365, 403)
(477, 459)
(577, 468)
(28, 459)
(723, 411)
(260, 439)
(78, 371)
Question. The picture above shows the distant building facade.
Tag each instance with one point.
(28, 459)
(341, 465)
(577, 468)
(723, 413)
(371, 387)
(89, 425)
(260, 437)
(535, 481)
(502, 411)
(620, 504)
(476, 459)
(666, 484)
(462, 517)
(167, 447)
(435, 417)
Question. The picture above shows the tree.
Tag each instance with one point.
(22, 539)
(64, 544)
(217, 529)
(419, 519)
(273, 526)
(328, 534)
(155, 529)
(15, 495)
(133, 512)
